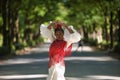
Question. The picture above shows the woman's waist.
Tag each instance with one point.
(57, 59)
(54, 62)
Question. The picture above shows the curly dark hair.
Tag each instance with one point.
(59, 29)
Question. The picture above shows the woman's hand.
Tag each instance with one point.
(64, 24)
(51, 25)
(68, 28)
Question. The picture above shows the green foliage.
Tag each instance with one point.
(105, 44)
(1, 21)
(35, 42)
(1, 40)
(117, 48)
(89, 14)
(31, 43)
(40, 40)
(91, 41)
(4, 51)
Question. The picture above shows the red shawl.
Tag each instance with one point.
(57, 52)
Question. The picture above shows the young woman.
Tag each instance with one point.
(60, 47)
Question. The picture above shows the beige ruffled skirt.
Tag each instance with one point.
(56, 72)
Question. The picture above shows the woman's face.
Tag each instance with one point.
(59, 35)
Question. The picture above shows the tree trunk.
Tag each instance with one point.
(4, 26)
(111, 30)
(105, 25)
(85, 32)
(9, 26)
(16, 30)
(105, 30)
(119, 26)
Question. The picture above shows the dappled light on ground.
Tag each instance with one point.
(95, 77)
(23, 61)
(9, 77)
(84, 48)
(32, 60)
(46, 49)
(90, 58)
(44, 76)
(103, 77)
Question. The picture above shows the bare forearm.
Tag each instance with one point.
(68, 28)
(50, 26)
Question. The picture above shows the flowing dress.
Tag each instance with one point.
(58, 50)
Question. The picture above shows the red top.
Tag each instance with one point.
(57, 52)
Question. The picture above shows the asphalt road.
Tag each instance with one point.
(81, 65)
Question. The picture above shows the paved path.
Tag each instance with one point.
(85, 65)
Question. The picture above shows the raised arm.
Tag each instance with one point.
(51, 25)
(71, 35)
(68, 28)
(46, 31)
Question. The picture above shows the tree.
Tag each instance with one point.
(10, 22)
